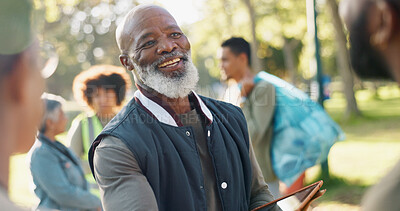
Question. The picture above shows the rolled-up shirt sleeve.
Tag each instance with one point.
(260, 193)
(121, 181)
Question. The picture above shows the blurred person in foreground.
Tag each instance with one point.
(57, 174)
(258, 103)
(169, 148)
(102, 90)
(374, 27)
(21, 86)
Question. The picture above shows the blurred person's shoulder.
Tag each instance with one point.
(40, 151)
(385, 194)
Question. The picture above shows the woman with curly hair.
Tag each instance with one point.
(102, 90)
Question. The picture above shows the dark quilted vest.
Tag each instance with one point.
(168, 156)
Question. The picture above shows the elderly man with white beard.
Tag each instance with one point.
(169, 148)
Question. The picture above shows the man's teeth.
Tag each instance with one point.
(169, 62)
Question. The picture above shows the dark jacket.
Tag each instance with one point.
(168, 157)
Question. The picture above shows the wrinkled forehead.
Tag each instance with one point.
(145, 20)
(147, 12)
(350, 10)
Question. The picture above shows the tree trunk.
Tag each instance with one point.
(255, 61)
(344, 61)
(290, 62)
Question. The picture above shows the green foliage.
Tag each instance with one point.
(274, 58)
(326, 36)
(276, 20)
(83, 35)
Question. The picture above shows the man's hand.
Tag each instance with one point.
(247, 84)
(316, 196)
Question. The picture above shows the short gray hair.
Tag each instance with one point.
(52, 108)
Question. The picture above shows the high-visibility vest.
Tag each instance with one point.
(91, 128)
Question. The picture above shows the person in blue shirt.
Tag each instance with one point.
(56, 171)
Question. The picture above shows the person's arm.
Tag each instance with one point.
(260, 194)
(74, 138)
(259, 110)
(121, 181)
(49, 174)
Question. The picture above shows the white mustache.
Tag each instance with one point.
(175, 86)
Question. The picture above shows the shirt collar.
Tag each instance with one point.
(163, 113)
(44, 138)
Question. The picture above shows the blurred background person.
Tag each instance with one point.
(235, 63)
(374, 28)
(287, 139)
(56, 171)
(21, 85)
(102, 90)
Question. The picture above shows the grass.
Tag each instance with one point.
(369, 152)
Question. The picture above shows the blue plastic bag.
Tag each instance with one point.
(303, 131)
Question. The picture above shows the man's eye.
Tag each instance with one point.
(176, 35)
(148, 44)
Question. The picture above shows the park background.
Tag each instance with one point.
(83, 34)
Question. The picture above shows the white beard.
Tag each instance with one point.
(175, 85)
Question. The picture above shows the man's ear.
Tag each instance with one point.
(382, 24)
(49, 124)
(126, 61)
(243, 57)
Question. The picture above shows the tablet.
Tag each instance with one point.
(298, 199)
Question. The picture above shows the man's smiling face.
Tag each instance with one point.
(156, 38)
(159, 51)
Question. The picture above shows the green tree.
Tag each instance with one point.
(267, 23)
(344, 61)
(83, 35)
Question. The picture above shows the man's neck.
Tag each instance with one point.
(390, 54)
(393, 62)
(248, 75)
(247, 82)
(50, 135)
(178, 105)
